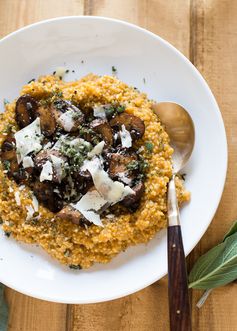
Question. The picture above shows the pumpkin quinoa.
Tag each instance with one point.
(73, 244)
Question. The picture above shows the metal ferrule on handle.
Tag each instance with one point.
(173, 210)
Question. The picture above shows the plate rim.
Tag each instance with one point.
(225, 150)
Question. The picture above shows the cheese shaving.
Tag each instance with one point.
(126, 138)
(35, 203)
(58, 166)
(28, 140)
(99, 111)
(17, 198)
(111, 191)
(27, 162)
(89, 205)
(47, 172)
(97, 149)
(67, 120)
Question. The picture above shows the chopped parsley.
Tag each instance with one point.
(8, 128)
(113, 109)
(149, 146)
(76, 151)
(5, 102)
(134, 165)
(7, 233)
(6, 165)
(114, 70)
(67, 252)
(32, 80)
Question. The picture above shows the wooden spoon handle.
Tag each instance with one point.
(179, 307)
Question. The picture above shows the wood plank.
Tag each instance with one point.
(147, 309)
(28, 314)
(213, 51)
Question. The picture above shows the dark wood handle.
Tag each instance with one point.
(179, 307)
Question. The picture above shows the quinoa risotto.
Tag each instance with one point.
(84, 168)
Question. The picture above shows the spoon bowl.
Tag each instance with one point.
(180, 128)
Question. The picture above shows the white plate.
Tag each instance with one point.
(137, 54)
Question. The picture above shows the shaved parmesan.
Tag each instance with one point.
(67, 120)
(89, 204)
(10, 189)
(28, 140)
(46, 172)
(99, 111)
(97, 149)
(27, 162)
(123, 177)
(58, 166)
(30, 212)
(48, 145)
(17, 198)
(126, 138)
(111, 191)
(35, 203)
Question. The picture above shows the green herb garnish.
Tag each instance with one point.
(120, 109)
(114, 70)
(149, 146)
(5, 102)
(134, 165)
(6, 165)
(32, 80)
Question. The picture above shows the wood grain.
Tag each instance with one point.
(214, 25)
(205, 30)
(179, 306)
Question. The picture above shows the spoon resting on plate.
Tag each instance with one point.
(180, 128)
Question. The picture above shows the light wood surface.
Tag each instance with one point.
(206, 32)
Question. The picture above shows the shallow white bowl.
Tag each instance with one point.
(154, 66)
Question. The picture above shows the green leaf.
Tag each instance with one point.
(231, 231)
(3, 311)
(217, 267)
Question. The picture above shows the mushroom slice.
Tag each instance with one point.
(47, 120)
(68, 213)
(25, 110)
(57, 160)
(132, 201)
(9, 159)
(45, 193)
(68, 116)
(132, 123)
(118, 164)
(103, 128)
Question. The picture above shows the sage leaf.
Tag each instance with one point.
(217, 267)
(3, 311)
(231, 231)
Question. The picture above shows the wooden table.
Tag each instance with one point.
(206, 32)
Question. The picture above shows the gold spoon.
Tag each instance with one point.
(180, 128)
